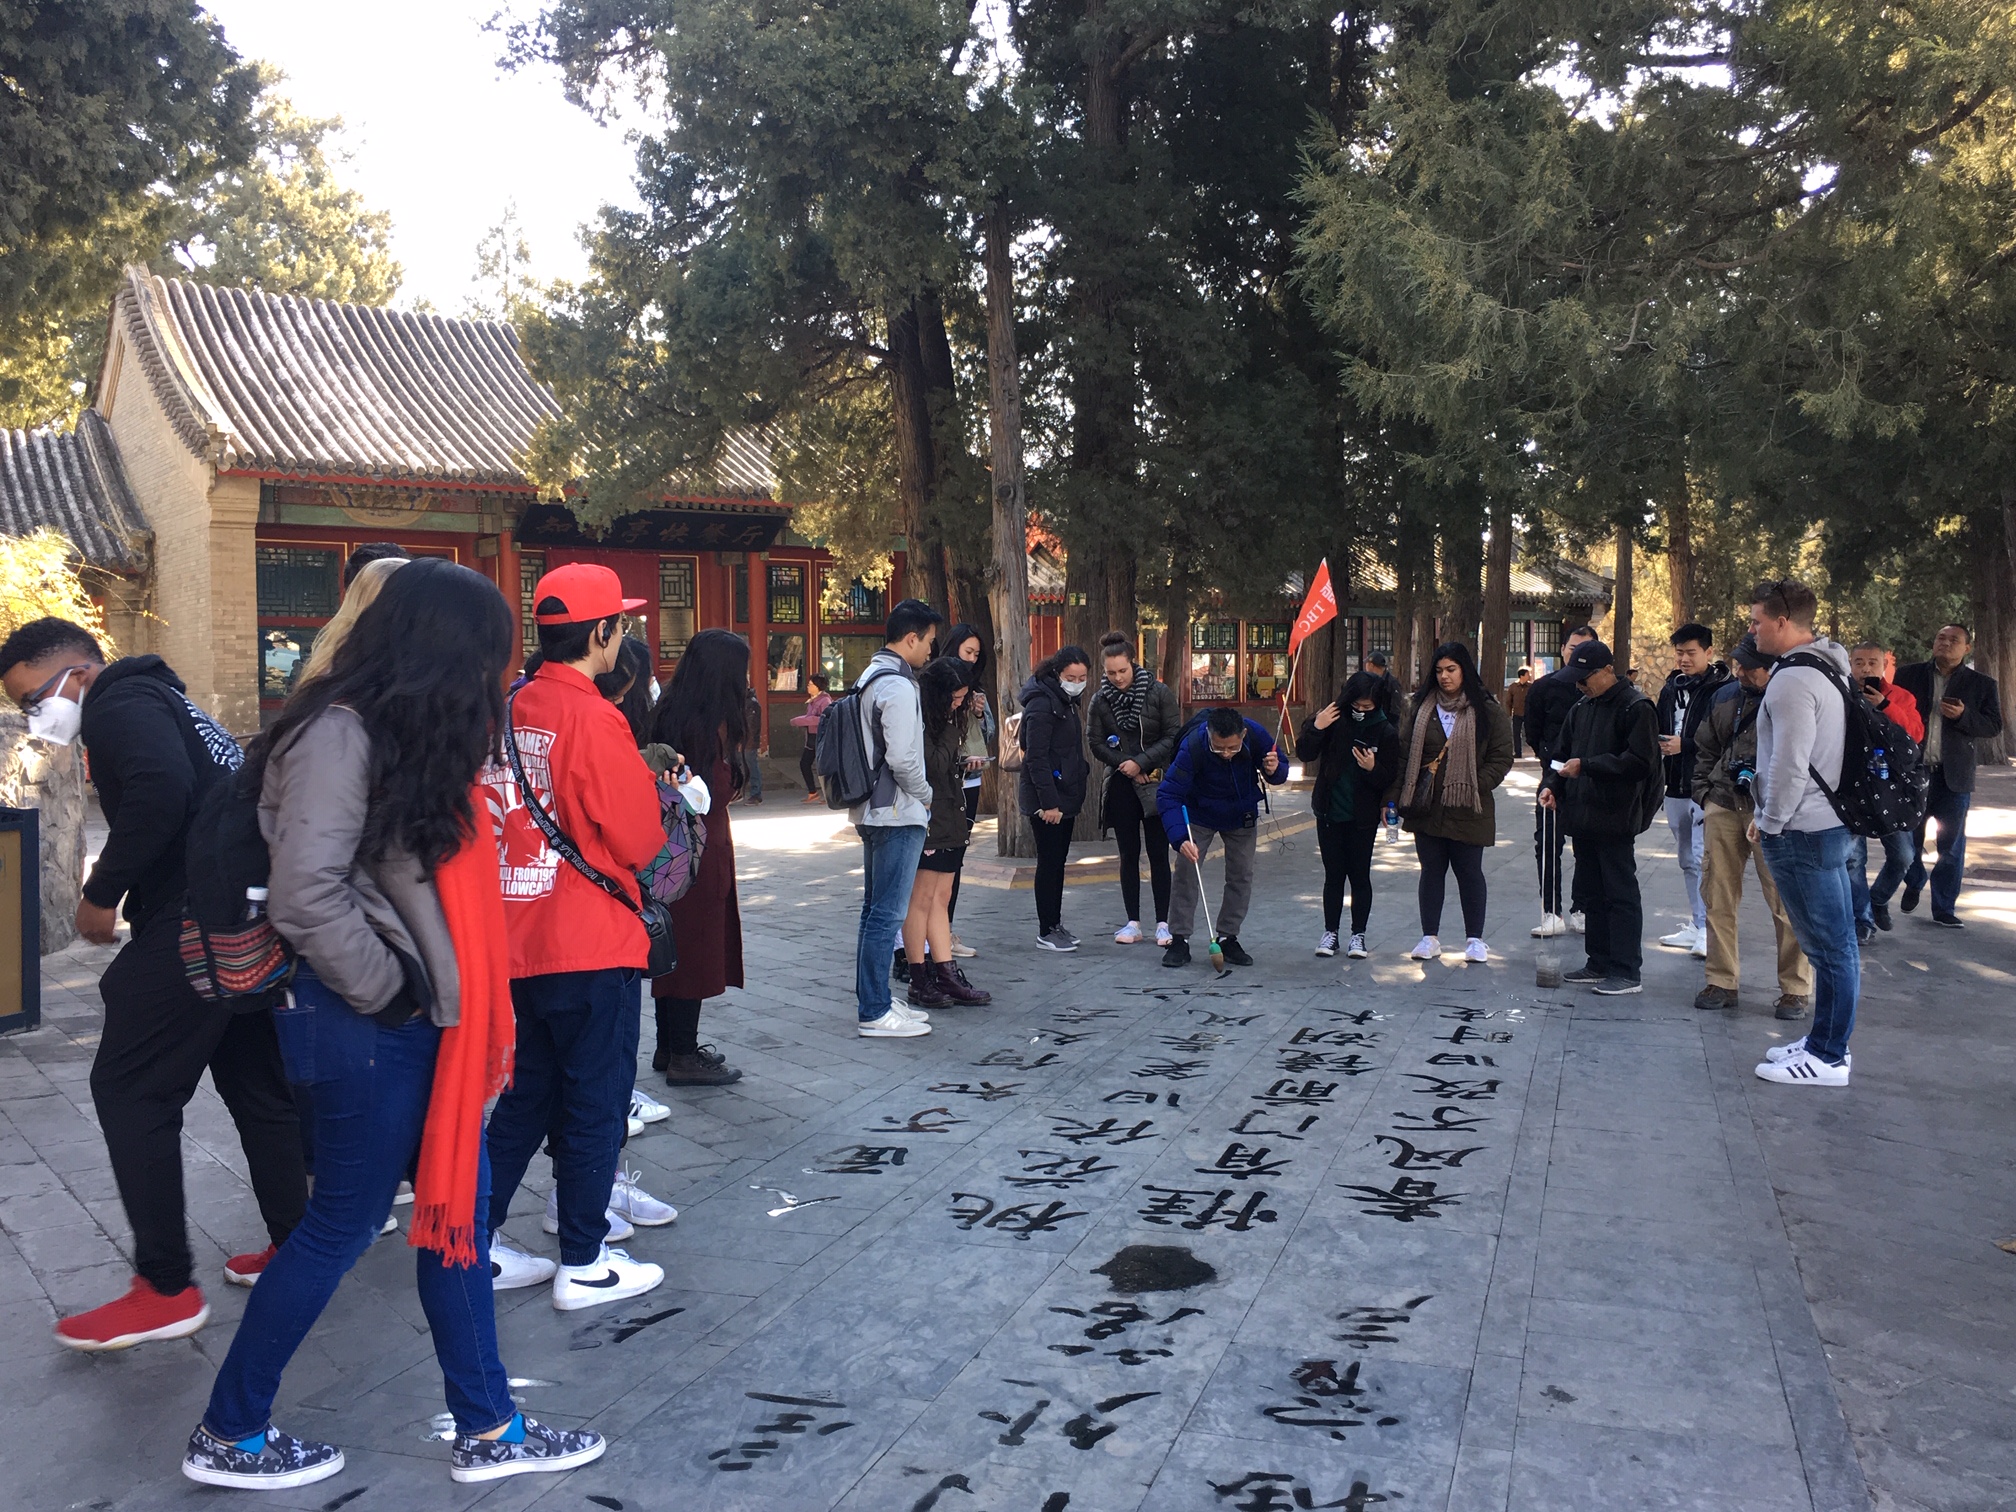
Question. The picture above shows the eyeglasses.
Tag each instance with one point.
(34, 700)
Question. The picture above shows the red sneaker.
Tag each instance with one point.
(244, 1270)
(143, 1314)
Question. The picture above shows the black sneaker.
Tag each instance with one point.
(900, 967)
(705, 1067)
(1233, 951)
(539, 1448)
(1948, 921)
(1909, 902)
(1865, 934)
(1617, 987)
(278, 1463)
(1585, 977)
(1178, 953)
(1880, 912)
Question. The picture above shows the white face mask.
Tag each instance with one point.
(1072, 689)
(57, 719)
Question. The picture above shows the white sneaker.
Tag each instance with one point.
(1131, 935)
(1682, 938)
(404, 1195)
(1779, 1054)
(1699, 949)
(391, 1226)
(639, 1206)
(610, 1277)
(1327, 946)
(961, 951)
(1162, 936)
(1430, 949)
(914, 1015)
(1549, 927)
(1576, 924)
(1356, 950)
(1476, 951)
(892, 1025)
(633, 1126)
(511, 1267)
(619, 1226)
(1804, 1070)
(643, 1105)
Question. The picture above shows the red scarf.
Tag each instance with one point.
(474, 1061)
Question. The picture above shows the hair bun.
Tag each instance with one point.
(1117, 641)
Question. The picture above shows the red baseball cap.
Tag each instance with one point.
(589, 592)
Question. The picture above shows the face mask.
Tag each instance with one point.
(654, 690)
(1359, 716)
(1072, 689)
(57, 719)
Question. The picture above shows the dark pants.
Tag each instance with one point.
(1347, 856)
(371, 1087)
(1606, 879)
(805, 764)
(1518, 736)
(575, 1064)
(972, 812)
(1131, 823)
(158, 1038)
(1948, 810)
(1899, 851)
(1053, 849)
(1548, 845)
(1438, 858)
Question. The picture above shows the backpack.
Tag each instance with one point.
(231, 953)
(1652, 790)
(847, 770)
(1883, 777)
(672, 872)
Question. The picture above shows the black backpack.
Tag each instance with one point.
(231, 953)
(1652, 791)
(1883, 777)
(846, 768)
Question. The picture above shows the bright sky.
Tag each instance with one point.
(439, 135)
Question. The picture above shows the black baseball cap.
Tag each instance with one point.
(1589, 657)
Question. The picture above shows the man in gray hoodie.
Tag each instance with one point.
(1801, 736)
(893, 820)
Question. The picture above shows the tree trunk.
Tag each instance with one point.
(910, 407)
(1497, 599)
(1463, 560)
(1680, 556)
(1008, 574)
(1620, 604)
(1403, 607)
(1176, 633)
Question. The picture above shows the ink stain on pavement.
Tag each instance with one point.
(1556, 1394)
(1155, 1267)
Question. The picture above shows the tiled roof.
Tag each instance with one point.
(71, 481)
(1535, 583)
(310, 388)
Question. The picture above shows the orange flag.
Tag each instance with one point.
(1318, 609)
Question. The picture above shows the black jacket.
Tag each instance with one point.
(1616, 736)
(1153, 747)
(1699, 691)
(1981, 719)
(1054, 768)
(1547, 704)
(153, 756)
(1330, 752)
(1727, 736)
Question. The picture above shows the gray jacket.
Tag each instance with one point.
(1800, 730)
(902, 794)
(346, 918)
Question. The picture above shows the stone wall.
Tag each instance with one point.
(37, 775)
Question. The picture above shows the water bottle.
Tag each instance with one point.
(1113, 742)
(255, 904)
(1392, 824)
(1880, 761)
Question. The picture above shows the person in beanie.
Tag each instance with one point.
(1725, 762)
(1597, 768)
(1683, 703)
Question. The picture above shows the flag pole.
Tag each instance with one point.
(1287, 691)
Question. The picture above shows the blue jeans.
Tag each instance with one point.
(1810, 868)
(576, 1063)
(1948, 810)
(1899, 851)
(370, 1087)
(889, 855)
(1690, 833)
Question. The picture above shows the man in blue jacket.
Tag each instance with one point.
(1211, 792)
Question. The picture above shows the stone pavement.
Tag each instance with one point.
(1314, 1234)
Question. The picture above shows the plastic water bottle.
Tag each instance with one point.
(1880, 761)
(1392, 824)
(255, 904)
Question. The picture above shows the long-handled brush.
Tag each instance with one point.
(1217, 955)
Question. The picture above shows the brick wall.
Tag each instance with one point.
(234, 604)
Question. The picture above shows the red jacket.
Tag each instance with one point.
(1902, 709)
(582, 764)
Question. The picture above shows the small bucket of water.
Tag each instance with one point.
(1547, 965)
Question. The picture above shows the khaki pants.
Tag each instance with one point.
(1728, 848)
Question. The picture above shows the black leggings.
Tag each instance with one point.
(1347, 857)
(1130, 823)
(952, 903)
(1053, 849)
(1467, 861)
(678, 1024)
(805, 764)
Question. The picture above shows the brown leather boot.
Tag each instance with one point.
(924, 989)
(951, 981)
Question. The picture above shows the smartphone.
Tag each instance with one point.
(1873, 684)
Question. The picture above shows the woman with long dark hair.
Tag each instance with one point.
(384, 880)
(943, 688)
(1460, 738)
(630, 686)
(962, 643)
(702, 714)
(1054, 777)
(1354, 751)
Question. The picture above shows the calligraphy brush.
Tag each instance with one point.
(1217, 955)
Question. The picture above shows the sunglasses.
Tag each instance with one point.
(34, 700)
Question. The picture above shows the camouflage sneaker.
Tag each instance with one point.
(278, 1462)
(536, 1448)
